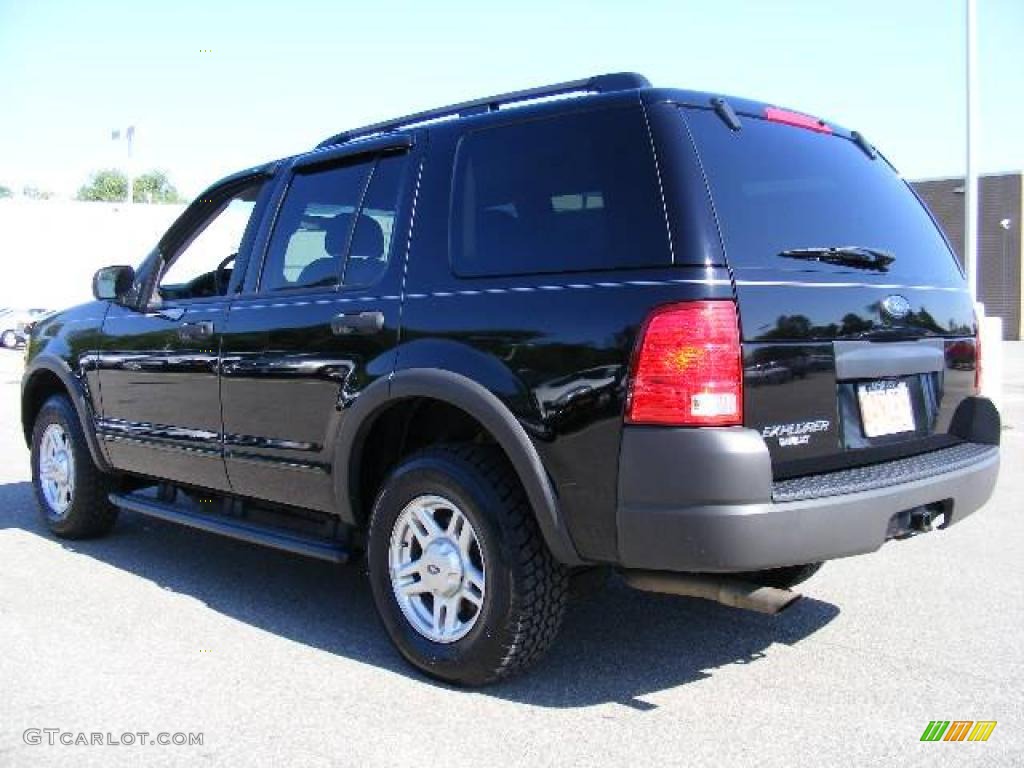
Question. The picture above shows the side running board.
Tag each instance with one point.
(322, 549)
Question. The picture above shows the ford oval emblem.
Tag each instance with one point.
(896, 306)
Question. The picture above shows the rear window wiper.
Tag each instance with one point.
(846, 255)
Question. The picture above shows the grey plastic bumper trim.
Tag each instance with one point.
(729, 533)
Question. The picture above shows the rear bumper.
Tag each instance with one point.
(702, 500)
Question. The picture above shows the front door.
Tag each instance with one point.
(320, 324)
(158, 361)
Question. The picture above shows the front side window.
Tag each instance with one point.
(203, 266)
(564, 194)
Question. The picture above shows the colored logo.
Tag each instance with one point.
(896, 306)
(958, 730)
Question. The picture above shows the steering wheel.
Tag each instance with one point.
(221, 275)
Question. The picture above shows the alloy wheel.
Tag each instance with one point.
(57, 469)
(437, 570)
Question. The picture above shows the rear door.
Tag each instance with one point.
(319, 323)
(858, 331)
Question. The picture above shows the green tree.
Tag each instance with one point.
(106, 186)
(35, 193)
(5, 192)
(155, 187)
(111, 186)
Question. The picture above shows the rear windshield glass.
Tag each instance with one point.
(563, 194)
(777, 188)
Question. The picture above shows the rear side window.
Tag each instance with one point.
(311, 234)
(571, 193)
(373, 236)
(777, 188)
(336, 225)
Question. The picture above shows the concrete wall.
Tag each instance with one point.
(50, 249)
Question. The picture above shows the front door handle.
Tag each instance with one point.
(193, 331)
(357, 323)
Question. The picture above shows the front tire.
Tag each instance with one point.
(70, 490)
(9, 339)
(463, 582)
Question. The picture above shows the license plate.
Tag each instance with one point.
(885, 408)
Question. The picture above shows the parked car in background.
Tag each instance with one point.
(16, 325)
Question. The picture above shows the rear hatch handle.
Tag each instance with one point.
(873, 360)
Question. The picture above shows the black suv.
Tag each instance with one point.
(498, 344)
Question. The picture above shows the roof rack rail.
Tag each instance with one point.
(618, 81)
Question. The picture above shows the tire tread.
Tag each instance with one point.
(537, 619)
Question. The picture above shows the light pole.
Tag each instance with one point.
(971, 180)
(129, 137)
(1004, 224)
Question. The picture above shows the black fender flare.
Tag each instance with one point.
(480, 403)
(76, 390)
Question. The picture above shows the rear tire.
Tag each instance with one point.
(72, 493)
(782, 578)
(507, 594)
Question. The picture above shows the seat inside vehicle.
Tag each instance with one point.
(366, 257)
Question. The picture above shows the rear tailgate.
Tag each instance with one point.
(857, 328)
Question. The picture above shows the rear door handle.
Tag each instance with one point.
(193, 331)
(170, 313)
(357, 323)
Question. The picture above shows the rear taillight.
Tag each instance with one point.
(977, 356)
(687, 369)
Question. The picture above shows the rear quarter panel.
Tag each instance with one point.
(555, 349)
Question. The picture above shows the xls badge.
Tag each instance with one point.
(798, 433)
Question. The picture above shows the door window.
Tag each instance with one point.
(336, 226)
(203, 266)
(371, 241)
(311, 235)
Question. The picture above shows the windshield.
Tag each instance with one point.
(780, 191)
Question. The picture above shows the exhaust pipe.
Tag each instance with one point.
(721, 589)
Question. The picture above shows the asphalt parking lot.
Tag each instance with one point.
(280, 660)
